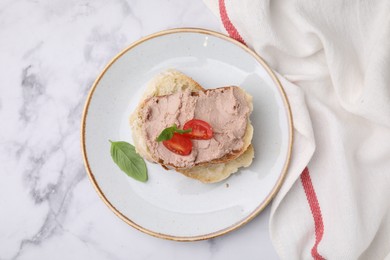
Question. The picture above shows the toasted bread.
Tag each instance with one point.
(173, 81)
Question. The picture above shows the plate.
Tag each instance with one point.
(170, 205)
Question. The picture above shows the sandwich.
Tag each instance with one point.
(210, 129)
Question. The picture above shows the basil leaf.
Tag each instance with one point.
(129, 161)
(168, 132)
(183, 131)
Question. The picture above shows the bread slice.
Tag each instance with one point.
(217, 172)
(170, 82)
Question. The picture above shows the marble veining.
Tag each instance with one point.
(51, 51)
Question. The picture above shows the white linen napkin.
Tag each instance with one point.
(333, 59)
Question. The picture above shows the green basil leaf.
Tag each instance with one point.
(168, 132)
(183, 131)
(129, 161)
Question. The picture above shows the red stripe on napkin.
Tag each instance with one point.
(305, 176)
(232, 31)
(315, 210)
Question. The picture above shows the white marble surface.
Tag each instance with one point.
(50, 53)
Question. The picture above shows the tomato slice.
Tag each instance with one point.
(179, 144)
(200, 129)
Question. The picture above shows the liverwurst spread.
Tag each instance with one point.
(225, 109)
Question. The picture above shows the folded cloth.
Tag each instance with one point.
(333, 59)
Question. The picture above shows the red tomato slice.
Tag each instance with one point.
(200, 129)
(179, 144)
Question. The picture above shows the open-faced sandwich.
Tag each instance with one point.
(204, 134)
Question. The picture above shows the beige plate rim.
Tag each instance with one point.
(265, 202)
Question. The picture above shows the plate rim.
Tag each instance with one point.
(223, 231)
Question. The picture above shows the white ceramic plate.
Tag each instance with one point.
(170, 205)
